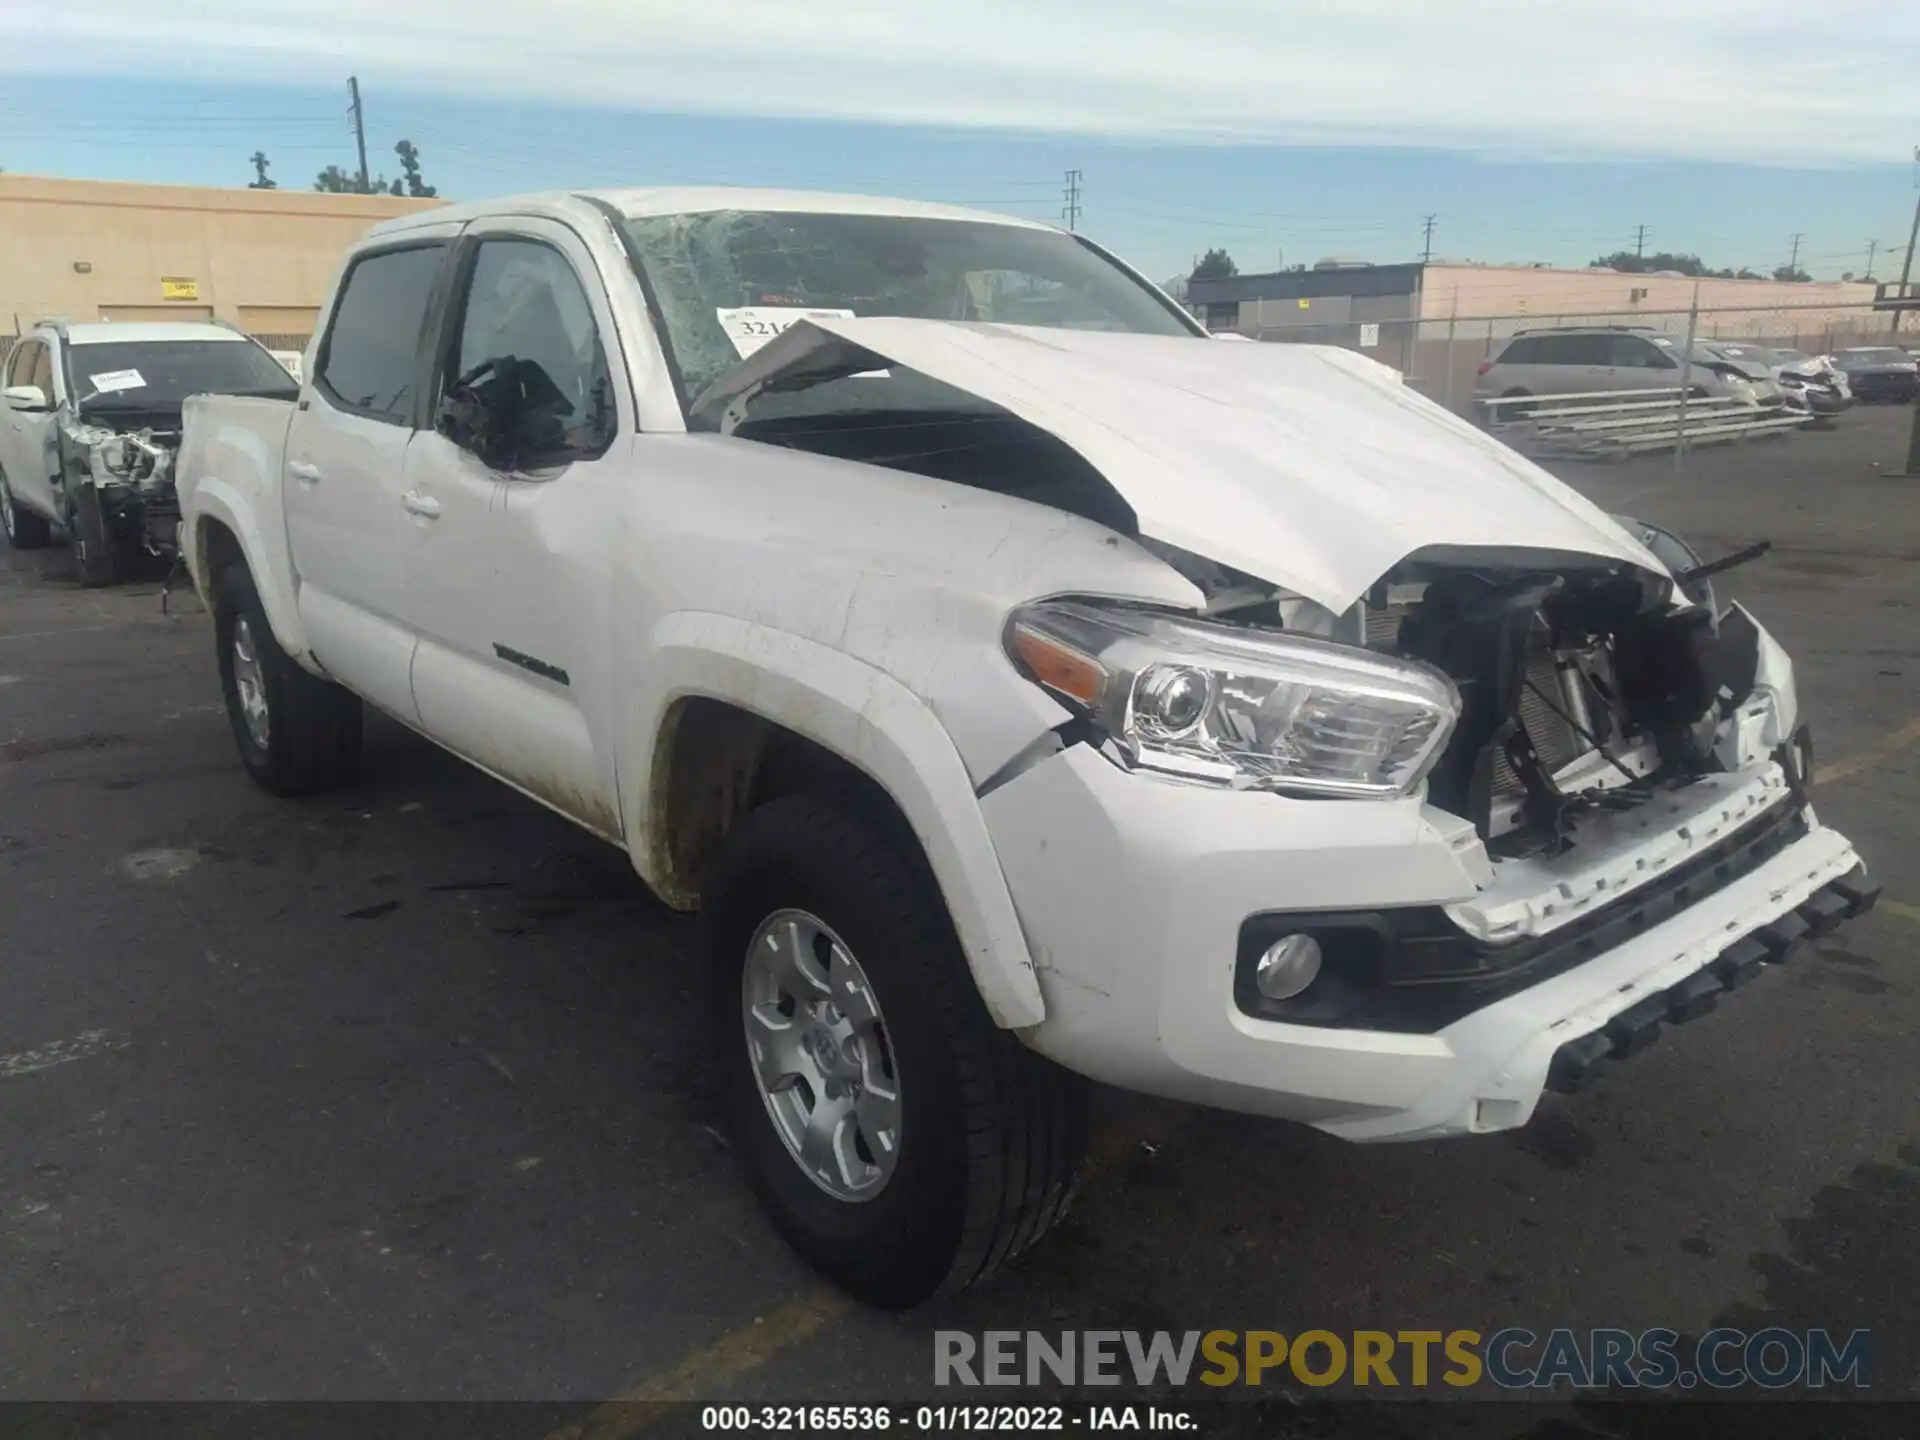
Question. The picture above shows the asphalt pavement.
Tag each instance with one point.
(397, 1093)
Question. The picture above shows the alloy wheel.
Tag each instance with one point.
(821, 1055)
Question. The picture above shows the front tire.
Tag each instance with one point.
(297, 733)
(934, 1149)
(24, 529)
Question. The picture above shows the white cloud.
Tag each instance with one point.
(1769, 81)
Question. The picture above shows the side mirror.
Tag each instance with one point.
(29, 398)
(479, 414)
(503, 413)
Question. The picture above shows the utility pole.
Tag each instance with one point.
(1873, 248)
(1426, 247)
(1070, 210)
(1640, 243)
(359, 131)
(1793, 260)
(1906, 267)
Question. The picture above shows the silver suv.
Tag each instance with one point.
(1607, 359)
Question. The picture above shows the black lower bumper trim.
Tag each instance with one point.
(1862, 893)
(1783, 936)
(1576, 1063)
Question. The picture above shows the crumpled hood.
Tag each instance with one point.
(1309, 467)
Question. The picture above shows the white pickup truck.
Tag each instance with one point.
(1025, 685)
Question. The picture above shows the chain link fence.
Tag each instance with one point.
(1442, 357)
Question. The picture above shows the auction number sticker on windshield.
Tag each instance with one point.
(751, 326)
(112, 380)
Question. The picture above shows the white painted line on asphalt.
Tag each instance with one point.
(61, 1052)
(48, 634)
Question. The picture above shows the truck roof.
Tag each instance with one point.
(696, 199)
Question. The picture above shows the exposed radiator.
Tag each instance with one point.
(1554, 740)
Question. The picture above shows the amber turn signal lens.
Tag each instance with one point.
(1057, 667)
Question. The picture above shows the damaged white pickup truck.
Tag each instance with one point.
(1025, 685)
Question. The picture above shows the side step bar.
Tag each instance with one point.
(1576, 1063)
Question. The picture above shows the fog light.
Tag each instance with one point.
(1288, 966)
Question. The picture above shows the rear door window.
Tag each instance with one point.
(370, 361)
(1559, 350)
(1631, 352)
(1525, 351)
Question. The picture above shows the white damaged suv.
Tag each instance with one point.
(1025, 685)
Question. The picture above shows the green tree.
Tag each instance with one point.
(1632, 264)
(1215, 265)
(1793, 274)
(335, 181)
(410, 170)
(260, 181)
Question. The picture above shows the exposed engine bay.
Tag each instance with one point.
(131, 473)
(1581, 690)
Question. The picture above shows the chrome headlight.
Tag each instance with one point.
(1239, 708)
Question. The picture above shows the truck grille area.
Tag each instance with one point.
(1413, 971)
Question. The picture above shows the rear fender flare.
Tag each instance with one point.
(268, 560)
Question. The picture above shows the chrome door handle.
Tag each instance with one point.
(425, 506)
(303, 472)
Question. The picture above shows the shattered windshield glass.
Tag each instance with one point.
(727, 281)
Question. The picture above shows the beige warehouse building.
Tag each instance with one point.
(259, 259)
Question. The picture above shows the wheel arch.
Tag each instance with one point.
(224, 533)
(737, 713)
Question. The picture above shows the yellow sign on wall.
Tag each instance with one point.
(1303, 304)
(175, 288)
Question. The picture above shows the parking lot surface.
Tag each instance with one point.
(397, 1093)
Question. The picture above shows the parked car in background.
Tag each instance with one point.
(1812, 382)
(1880, 372)
(1608, 359)
(92, 424)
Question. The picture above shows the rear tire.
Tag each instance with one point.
(24, 529)
(297, 733)
(989, 1133)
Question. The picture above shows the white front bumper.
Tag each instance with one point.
(1132, 892)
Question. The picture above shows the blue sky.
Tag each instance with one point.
(1534, 133)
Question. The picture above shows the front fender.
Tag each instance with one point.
(871, 721)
